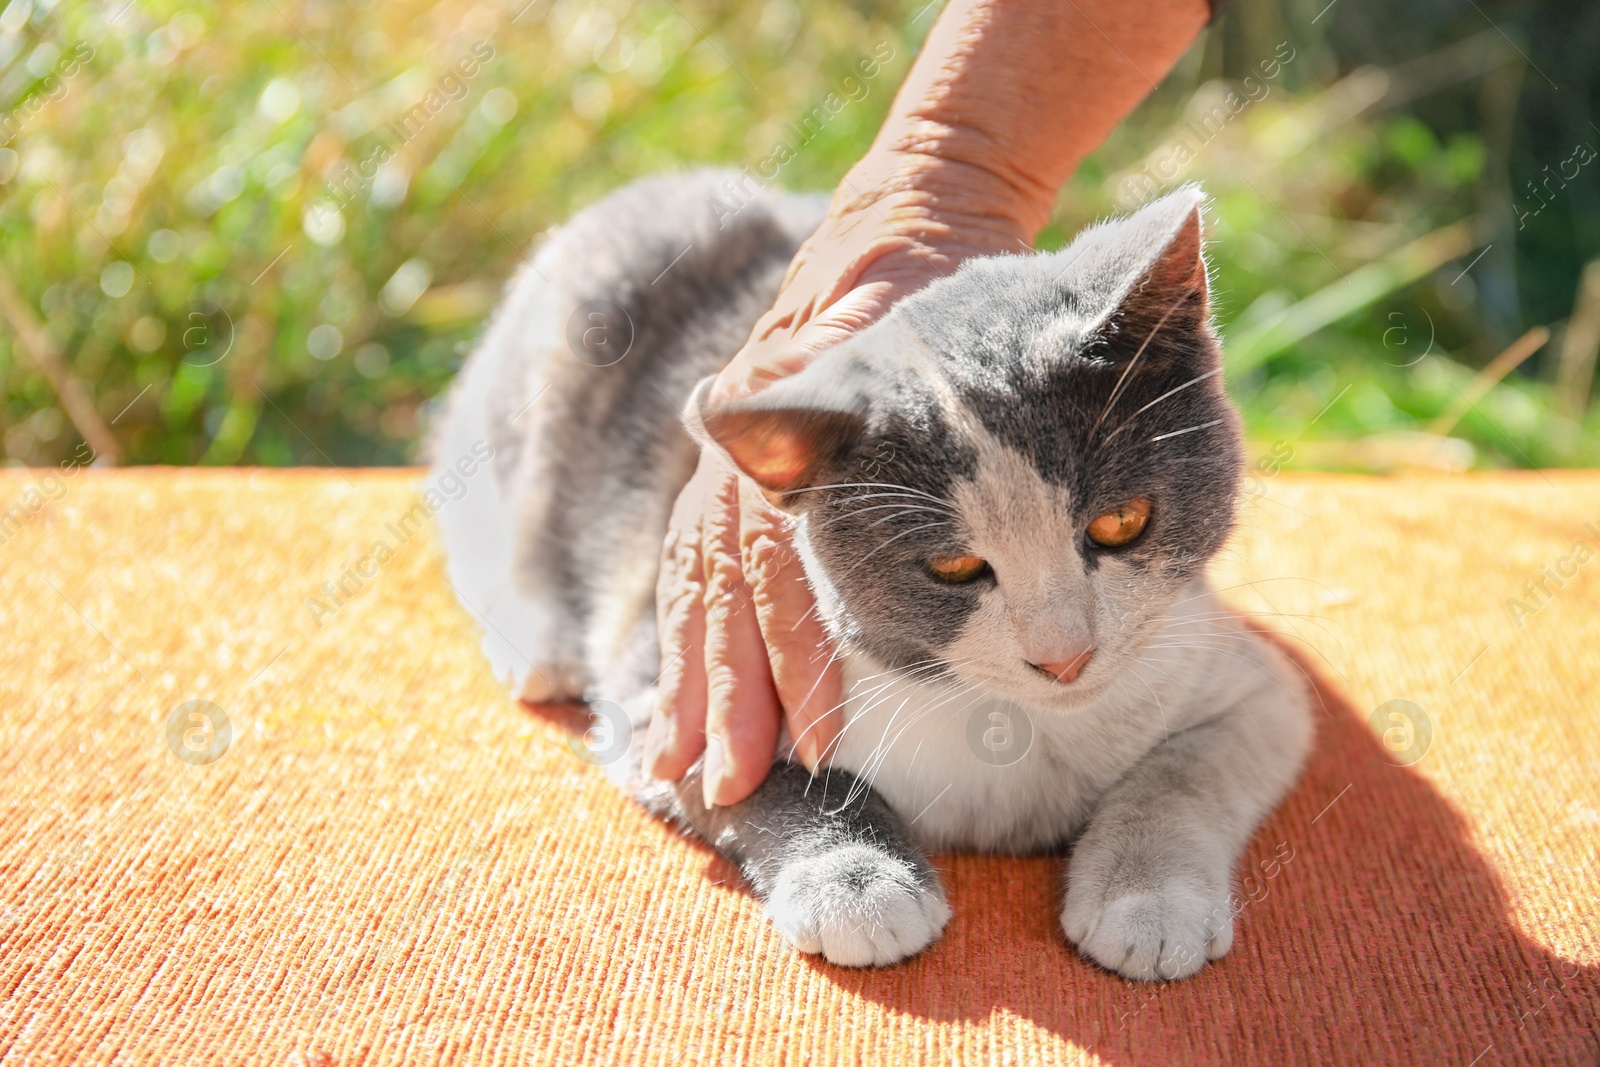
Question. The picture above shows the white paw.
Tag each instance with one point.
(532, 652)
(858, 906)
(1146, 929)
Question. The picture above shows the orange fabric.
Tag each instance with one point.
(392, 863)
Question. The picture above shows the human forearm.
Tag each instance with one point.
(1007, 97)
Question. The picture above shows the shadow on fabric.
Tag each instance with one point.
(1372, 930)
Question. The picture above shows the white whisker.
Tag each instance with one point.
(1116, 390)
(1127, 421)
(1186, 429)
(892, 540)
(863, 485)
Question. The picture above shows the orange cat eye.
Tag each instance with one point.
(1120, 526)
(957, 568)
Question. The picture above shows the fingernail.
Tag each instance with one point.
(657, 734)
(715, 769)
(805, 747)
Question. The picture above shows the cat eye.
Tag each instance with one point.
(1120, 526)
(957, 568)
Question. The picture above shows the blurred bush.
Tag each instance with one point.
(269, 233)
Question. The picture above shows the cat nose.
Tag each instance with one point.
(1066, 670)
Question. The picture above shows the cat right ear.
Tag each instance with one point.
(790, 434)
(1140, 274)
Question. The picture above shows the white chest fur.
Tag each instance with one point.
(973, 770)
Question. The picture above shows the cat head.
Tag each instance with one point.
(1013, 475)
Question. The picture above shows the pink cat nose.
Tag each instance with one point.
(1066, 670)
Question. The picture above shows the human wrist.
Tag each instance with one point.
(903, 216)
(925, 187)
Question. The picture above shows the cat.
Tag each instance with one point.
(1004, 494)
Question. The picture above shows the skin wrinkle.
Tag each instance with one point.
(963, 107)
(683, 624)
(728, 687)
(769, 557)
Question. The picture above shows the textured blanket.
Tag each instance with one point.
(263, 803)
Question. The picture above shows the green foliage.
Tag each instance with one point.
(179, 214)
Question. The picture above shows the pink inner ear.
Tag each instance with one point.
(775, 457)
(1181, 265)
(783, 449)
(1176, 277)
(768, 448)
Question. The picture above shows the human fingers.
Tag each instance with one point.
(799, 651)
(741, 706)
(675, 737)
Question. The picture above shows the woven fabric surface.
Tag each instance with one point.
(391, 862)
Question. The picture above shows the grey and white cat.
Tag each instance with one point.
(1004, 495)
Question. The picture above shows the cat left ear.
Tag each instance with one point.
(782, 449)
(790, 434)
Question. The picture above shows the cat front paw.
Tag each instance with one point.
(1145, 928)
(857, 905)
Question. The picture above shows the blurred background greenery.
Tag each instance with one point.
(1406, 201)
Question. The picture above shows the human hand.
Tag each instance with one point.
(961, 167)
(742, 644)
